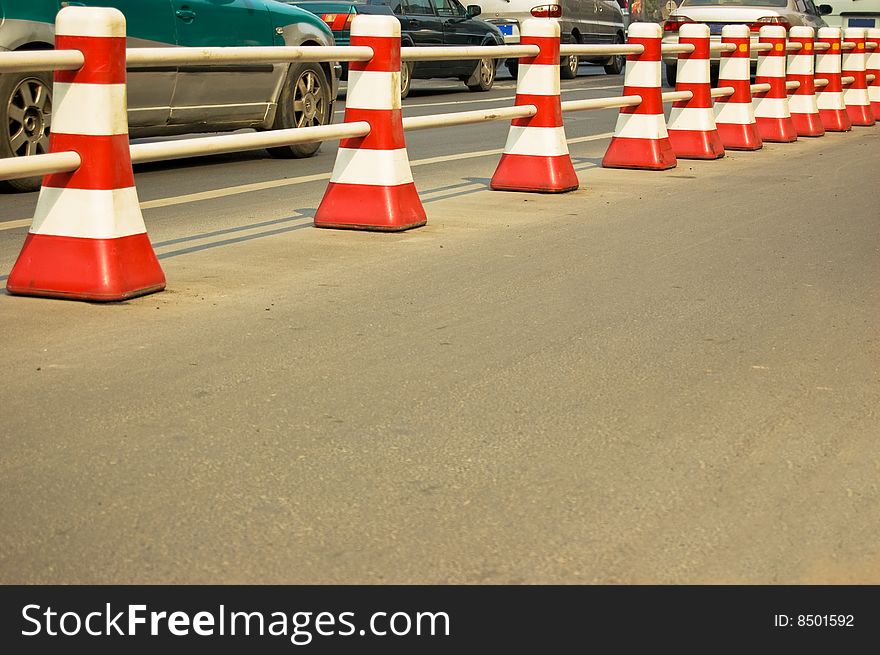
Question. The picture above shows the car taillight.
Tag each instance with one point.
(769, 20)
(624, 4)
(547, 11)
(338, 22)
(674, 22)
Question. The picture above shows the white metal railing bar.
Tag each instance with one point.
(792, 86)
(760, 88)
(143, 57)
(53, 162)
(674, 48)
(675, 96)
(214, 145)
(41, 60)
(599, 49)
(468, 117)
(722, 47)
(601, 103)
(722, 92)
(429, 53)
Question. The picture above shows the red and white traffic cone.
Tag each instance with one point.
(536, 155)
(640, 138)
(88, 240)
(855, 95)
(771, 107)
(691, 124)
(371, 187)
(802, 103)
(872, 66)
(829, 98)
(734, 114)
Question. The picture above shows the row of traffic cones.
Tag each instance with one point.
(743, 120)
(88, 240)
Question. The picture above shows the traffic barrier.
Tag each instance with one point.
(691, 126)
(371, 186)
(535, 157)
(88, 240)
(801, 69)
(832, 111)
(771, 107)
(855, 95)
(734, 114)
(872, 66)
(640, 138)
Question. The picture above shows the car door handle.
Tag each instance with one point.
(413, 22)
(186, 15)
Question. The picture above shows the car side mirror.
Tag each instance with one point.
(473, 11)
(824, 10)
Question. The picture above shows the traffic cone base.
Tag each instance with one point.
(639, 154)
(740, 137)
(808, 125)
(687, 144)
(535, 174)
(102, 270)
(860, 115)
(367, 207)
(776, 130)
(835, 120)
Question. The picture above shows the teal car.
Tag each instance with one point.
(179, 99)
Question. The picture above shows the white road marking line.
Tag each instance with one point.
(304, 179)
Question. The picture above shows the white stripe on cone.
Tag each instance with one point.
(734, 68)
(536, 141)
(691, 118)
(830, 100)
(99, 214)
(642, 73)
(100, 109)
(88, 21)
(641, 126)
(772, 66)
(371, 167)
(771, 108)
(734, 113)
(538, 79)
(801, 104)
(373, 90)
(800, 65)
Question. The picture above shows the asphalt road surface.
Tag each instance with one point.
(659, 378)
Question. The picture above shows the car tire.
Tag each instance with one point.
(569, 68)
(483, 76)
(26, 107)
(512, 67)
(304, 102)
(671, 74)
(616, 63)
(405, 79)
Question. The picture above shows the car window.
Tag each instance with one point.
(811, 8)
(419, 8)
(444, 8)
(801, 6)
(459, 8)
(400, 7)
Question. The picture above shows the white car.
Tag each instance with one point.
(581, 21)
(754, 13)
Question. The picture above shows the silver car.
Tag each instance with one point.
(581, 21)
(754, 13)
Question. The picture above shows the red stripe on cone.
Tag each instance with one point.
(102, 54)
(366, 207)
(640, 154)
(544, 174)
(102, 166)
(739, 137)
(86, 269)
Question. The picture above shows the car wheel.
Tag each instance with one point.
(405, 79)
(484, 75)
(616, 63)
(26, 104)
(671, 73)
(512, 67)
(304, 102)
(569, 68)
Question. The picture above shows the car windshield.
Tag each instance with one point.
(734, 3)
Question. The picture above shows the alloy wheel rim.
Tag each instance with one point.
(487, 71)
(29, 113)
(573, 63)
(308, 100)
(404, 77)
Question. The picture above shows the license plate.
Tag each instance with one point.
(715, 28)
(862, 22)
(507, 30)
